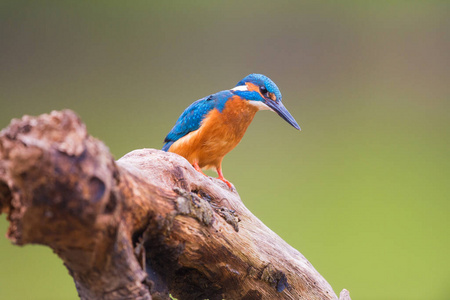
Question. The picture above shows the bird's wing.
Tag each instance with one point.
(190, 120)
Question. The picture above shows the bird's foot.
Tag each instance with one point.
(219, 171)
(226, 181)
(197, 167)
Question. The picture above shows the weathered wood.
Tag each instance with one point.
(143, 226)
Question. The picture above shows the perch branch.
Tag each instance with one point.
(143, 226)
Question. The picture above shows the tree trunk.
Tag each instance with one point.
(141, 227)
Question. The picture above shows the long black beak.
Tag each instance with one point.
(279, 108)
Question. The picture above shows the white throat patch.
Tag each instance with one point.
(260, 105)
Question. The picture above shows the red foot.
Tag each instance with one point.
(196, 166)
(219, 171)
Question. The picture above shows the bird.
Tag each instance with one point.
(212, 126)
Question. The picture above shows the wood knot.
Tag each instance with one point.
(230, 217)
(275, 278)
(195, 203)
(192, 205)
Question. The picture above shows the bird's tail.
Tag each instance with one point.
(167, 146)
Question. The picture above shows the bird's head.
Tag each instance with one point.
(263, 93)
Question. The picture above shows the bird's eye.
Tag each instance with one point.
(263, 90)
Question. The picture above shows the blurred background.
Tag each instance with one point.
(362, 191)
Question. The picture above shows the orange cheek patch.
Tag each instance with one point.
(253, 88)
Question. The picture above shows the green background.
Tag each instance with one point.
(362, 191)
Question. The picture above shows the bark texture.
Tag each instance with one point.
(142, 226)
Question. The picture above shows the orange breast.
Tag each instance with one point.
(219, 133)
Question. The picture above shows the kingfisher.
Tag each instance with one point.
(212, 126)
